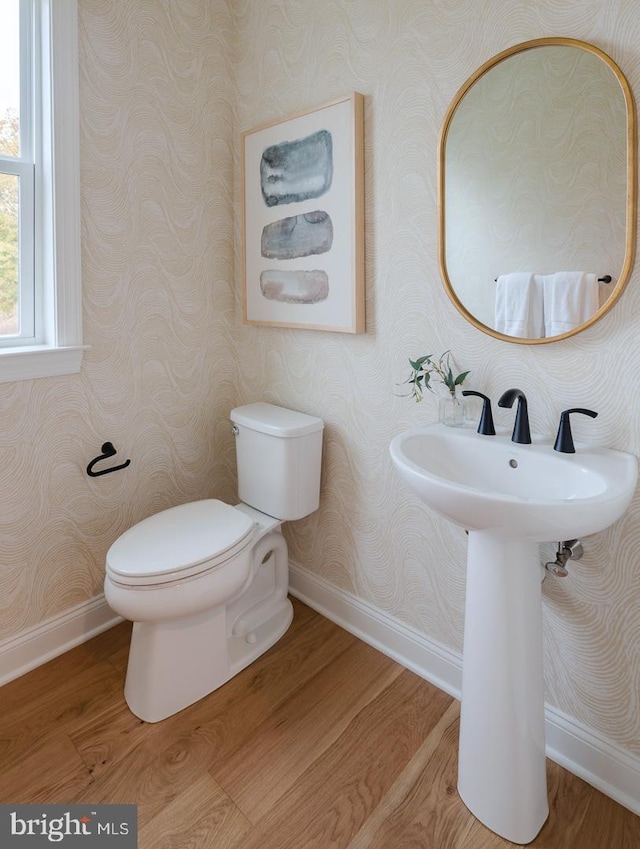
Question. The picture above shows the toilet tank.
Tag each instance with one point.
(279, 454)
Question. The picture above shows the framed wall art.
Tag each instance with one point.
(303, 219)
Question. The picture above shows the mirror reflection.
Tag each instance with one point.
(537, 187)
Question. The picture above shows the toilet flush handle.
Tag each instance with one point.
(235, 430)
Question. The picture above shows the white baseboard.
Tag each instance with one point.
(602, 764)
(57, 635)
(607, 767)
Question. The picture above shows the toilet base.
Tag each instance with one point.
(243, 650)
(173, 664)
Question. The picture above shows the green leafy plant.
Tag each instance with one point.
(427, 368)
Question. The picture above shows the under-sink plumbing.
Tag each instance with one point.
(570, 549)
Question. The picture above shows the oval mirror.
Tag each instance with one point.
(537, 191)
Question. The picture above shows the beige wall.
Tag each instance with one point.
(156, 105)
(160, 134)
(371, 537)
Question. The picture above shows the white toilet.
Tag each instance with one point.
(205, 583)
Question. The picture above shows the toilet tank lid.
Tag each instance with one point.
(276, 421)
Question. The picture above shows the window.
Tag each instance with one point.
(40, 295)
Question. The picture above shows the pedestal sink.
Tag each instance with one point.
(510, 498)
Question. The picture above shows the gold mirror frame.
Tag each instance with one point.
(631, 193)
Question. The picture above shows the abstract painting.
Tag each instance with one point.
(303, 231)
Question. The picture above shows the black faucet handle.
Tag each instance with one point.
(564, 439)
(486, 426)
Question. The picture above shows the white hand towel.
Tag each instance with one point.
(519, 306)
(570, 299)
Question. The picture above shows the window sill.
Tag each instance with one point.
(39, 361)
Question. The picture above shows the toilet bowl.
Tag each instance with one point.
(206, 583)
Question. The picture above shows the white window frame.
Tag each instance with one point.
(59, 345)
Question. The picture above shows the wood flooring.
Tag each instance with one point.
(322, 743)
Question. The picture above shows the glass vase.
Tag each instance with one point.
(451, 411)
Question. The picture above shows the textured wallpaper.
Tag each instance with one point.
(156, 106)
(166, 89)
(371, 536)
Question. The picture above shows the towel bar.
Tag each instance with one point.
(606, 279)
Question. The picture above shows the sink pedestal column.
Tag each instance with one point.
(502, 772)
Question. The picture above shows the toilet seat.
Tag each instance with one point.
(179, 543)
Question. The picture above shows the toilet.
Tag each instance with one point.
(206, 583)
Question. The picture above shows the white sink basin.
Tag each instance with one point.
(509, 497)
(526, 491)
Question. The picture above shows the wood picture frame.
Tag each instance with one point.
(303, 219)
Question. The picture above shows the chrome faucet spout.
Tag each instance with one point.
(521, 432)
